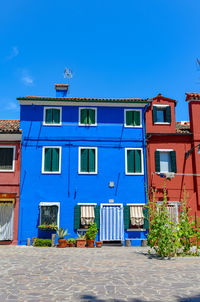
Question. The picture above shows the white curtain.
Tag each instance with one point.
(136, 215)
(6, 221)
(173, 214)
(87, 215)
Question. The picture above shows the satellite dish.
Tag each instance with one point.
(68, 73)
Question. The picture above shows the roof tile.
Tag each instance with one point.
(10, 126)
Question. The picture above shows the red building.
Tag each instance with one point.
(10, 162)
(167, 145)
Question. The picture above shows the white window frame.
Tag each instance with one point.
(44, 115)
(87, 125)
(131, 205)
(142, 162)
(164, 150)
(79, 161)
(43, 158)
(125, 125)
(46, 204)
(13, 161)
(161, 106)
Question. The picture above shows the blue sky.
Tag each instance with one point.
(115, 48)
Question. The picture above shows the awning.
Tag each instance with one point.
(136, 215)
(87, 215)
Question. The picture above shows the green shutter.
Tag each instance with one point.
(97, 216)
(77, 217)
(126, 217)
(84, 114)
(84, 160)
(136, 118)
(91, 160)
(130, 161)
(154, 114)
(146, 218)
(55, 159)
(49, 116)
(173, 161)
(129, 118)
(47, 159)
(91, 116)
(168, 114)
(56, 116)
(157, 161)
(137, 157)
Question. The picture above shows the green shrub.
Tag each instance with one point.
(92, 231)
(71, 240)
(48, 227)
(42, 242)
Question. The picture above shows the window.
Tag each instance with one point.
(85, 213)
(133, 118)
(49, 213)
(52, 116)
(172, 208)
(134, 161)
(87, 116)
(7, 158)
(161, 114)
(51, 160)
(136, 216)
(87, 160)
(165, 161)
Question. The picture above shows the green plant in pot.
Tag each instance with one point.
(80, 241)
(91, 234)
(71, 242)
(61, 233)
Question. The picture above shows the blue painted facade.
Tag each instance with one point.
(69, 188)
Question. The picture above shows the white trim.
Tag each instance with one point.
(86, 204)
(162, 123)
(140, 126)
(44, 115)
(111, 204)
(10, 137)
(136, 204)
(161, 105)
(165, 150)
(79, 161)
(13, 161)
(46, 204)
(43, 149)
(142, 161)
(137, 230)
(79, 117)
(98, 104)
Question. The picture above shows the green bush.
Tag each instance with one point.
(71, 240)
(42, 242)
(92, 231)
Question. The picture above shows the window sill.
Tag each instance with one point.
(162, 123)
(87, 125)
(87, 173)
(135, 230)
(125, 126)
(51, 173)
(52, 125)
(7, 171)
(134, 174)
(82, 230)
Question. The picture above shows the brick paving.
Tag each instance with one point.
(108, 274)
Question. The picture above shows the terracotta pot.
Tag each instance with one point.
(98, 244)
(70, 244)
(62, 243)
(90, 242)
(80, 242)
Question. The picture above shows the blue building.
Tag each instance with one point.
(83, 160)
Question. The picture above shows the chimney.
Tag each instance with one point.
(61, 90)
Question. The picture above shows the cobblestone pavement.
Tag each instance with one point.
(108, 274)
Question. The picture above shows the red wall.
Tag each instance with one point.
(10, 183)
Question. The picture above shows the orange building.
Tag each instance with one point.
(168, 158)
(10, 166)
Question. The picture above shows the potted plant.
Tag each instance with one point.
(48, 227)
(71, 242)
(61, 234)
(91, 234)
(80, 241)
(98, 243)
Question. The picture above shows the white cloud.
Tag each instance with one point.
(27, 80)
(13, 106)
(14, 53)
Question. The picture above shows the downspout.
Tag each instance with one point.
(145, 148)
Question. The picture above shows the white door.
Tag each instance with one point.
(112, 223)
(6, 221)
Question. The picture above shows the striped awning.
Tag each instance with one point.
(172, 209)
(136, 215)
(87, 215)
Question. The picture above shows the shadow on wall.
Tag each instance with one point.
(91, 298)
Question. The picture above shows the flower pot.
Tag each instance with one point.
(90, 242)
(98, 244)
(62, 243)
(70, 244)
(80, 242)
